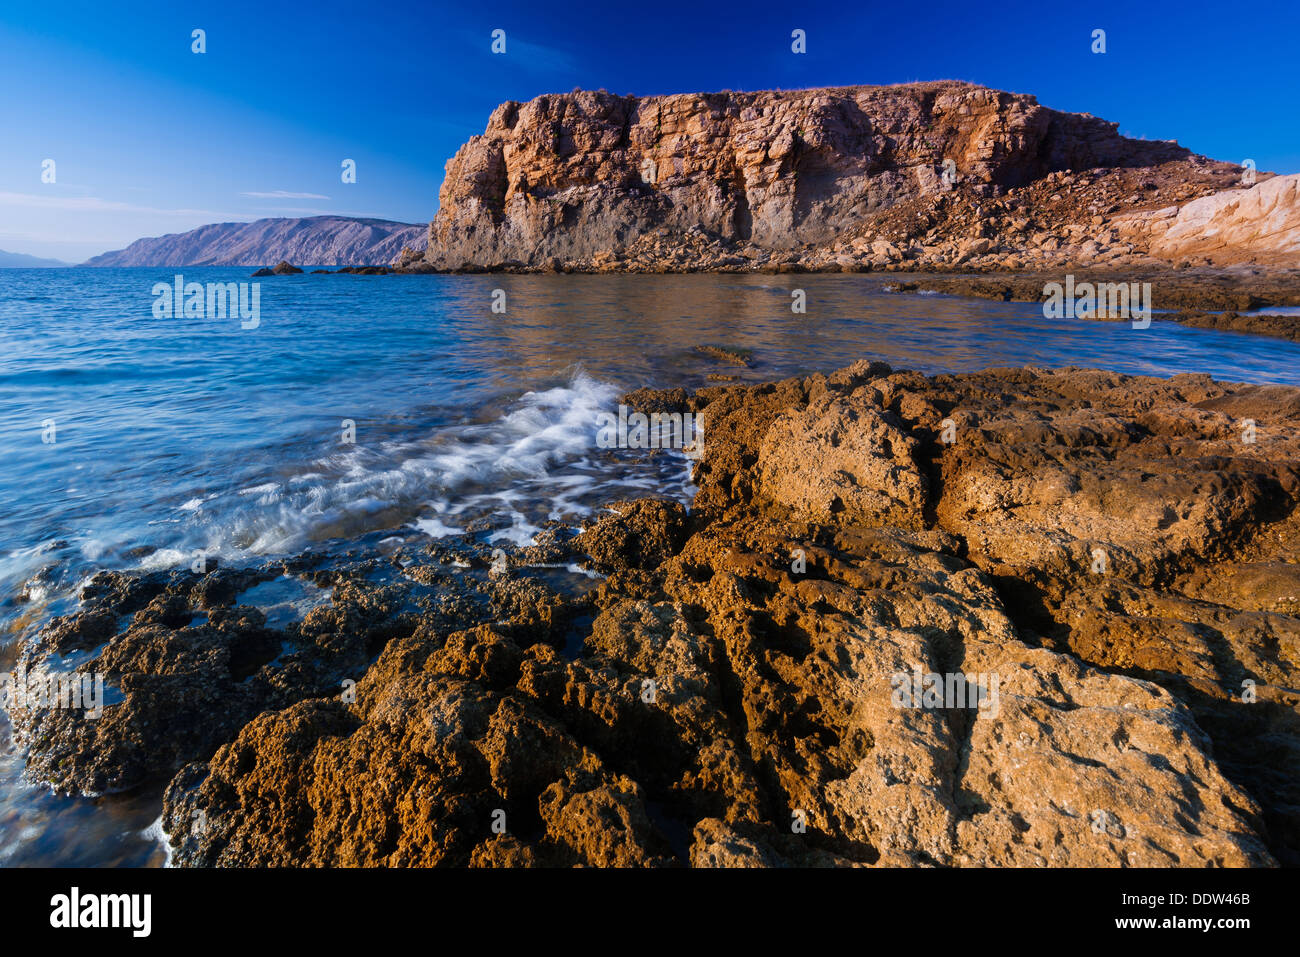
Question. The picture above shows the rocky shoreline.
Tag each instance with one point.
(957, 187)
(1205, 299)
(1219, 290)
(1113, 557)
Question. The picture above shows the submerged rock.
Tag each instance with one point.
(282, 268)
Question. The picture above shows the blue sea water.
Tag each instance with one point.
(175, 435)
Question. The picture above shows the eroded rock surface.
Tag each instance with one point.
(1261, 224)
(913, 176)
(1106, 561)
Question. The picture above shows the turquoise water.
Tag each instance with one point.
(177, 435)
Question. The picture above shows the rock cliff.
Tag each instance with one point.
(1262, 224)
(926, 174)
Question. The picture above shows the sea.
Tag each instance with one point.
(430, 405)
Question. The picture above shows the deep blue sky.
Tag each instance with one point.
(150, 138)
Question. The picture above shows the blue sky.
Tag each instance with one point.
(150, 138)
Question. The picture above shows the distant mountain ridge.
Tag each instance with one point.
(313, 240)
(24, 261)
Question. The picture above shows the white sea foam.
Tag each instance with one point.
(434, 528)
(94, 548)
(534, 463)
(154, 832)
(163, 558)
(478, 467)
(521, 532)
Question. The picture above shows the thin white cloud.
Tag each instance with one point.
(294, 210)
(282, 194)
(92, 204)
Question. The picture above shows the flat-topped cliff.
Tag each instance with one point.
(918, 175)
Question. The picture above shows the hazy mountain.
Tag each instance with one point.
(23, 261)
(313, 241)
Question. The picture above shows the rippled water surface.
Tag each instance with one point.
(175, 435)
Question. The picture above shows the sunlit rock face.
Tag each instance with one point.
(593, 179)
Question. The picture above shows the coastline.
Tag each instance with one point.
(847, 528)
(892, 618)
